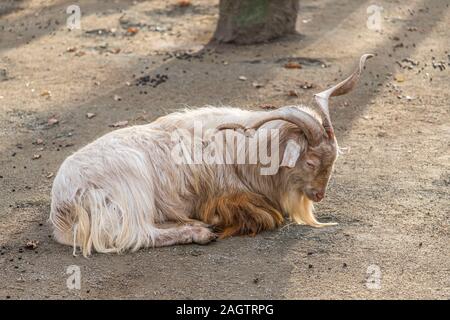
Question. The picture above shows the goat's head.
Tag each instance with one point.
(307, 166)
(312, 170)
(315, 165)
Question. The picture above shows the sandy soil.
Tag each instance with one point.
(390, 191)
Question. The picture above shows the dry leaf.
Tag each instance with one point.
(132, 30)
(293, 65)
(184, 3)
(46, 93)
(114, 51)
(52, 121)
(399, 77)
(292, 93)
(119, 124)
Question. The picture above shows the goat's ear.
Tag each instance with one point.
(291, 154)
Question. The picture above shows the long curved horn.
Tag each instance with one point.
(310, 126)
(341, 88)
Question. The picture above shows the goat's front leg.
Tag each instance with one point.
(183, 234)
(241, 213)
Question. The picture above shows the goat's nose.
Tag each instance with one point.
(320, 195)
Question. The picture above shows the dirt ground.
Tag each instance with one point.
(389, 193)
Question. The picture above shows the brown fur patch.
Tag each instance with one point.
(239, 214)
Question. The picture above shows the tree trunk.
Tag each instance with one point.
(253, 21)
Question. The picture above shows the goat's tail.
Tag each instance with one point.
(92, 221)
(72, 224)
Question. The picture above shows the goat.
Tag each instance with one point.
(124, 191)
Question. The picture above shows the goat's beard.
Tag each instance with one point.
(301, 209)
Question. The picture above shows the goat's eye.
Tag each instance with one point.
(310, 164)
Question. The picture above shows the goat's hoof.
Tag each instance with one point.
(203, 235)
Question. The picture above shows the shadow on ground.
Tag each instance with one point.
(259, 267)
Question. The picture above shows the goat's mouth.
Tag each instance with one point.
(313, 196)
(315, 199)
